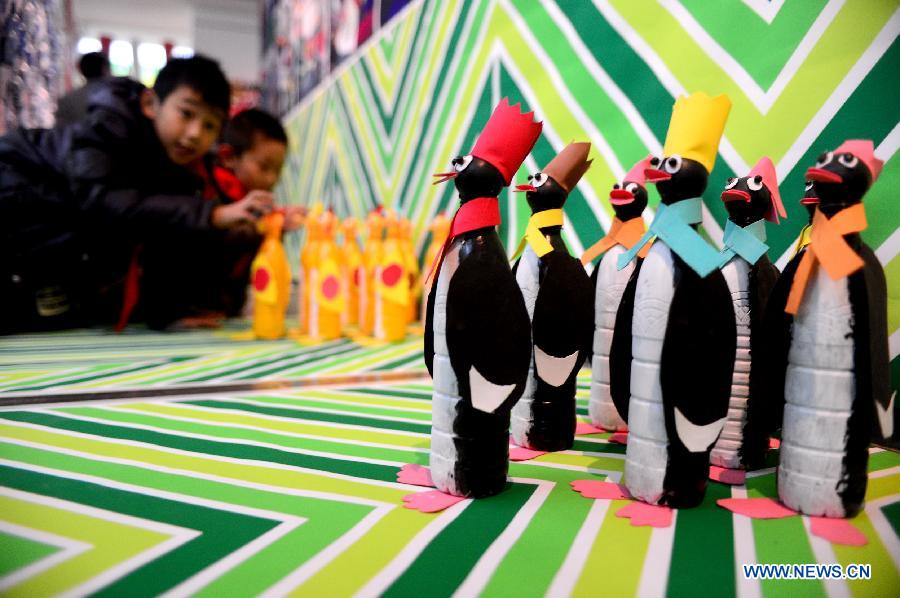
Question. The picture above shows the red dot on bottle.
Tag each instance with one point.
(261, 279)
(330, 287)
(391, 274)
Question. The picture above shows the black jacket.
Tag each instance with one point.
(74, 203)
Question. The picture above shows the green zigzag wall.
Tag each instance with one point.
(802, 77)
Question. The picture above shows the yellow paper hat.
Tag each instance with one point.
(696, 127)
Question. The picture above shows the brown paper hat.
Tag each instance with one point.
(569, 165)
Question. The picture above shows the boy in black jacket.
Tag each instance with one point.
(78, 203)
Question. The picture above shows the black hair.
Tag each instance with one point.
(202, 74)
(93, 65)
(241, 130)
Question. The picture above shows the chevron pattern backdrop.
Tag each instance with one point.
(802, 76)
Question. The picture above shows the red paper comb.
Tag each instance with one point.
(766, 170)
(507, 138)
(863, 149)
(636, 174)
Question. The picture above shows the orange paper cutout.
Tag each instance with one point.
(624, 233)
(827, 245)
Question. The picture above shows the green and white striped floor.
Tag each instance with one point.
(293, 491)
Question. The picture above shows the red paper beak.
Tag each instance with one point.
(809, 201)
(735, 195)
(445, 176)
(655, 176)
(523, 188)
(620, 197)
(823, 176)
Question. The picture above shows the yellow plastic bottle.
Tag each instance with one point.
(371, 262)
(351, 271)
(270, 275)
(440, 229)
(392, 286)
(329, 299)
(309, 256)
(412, 269)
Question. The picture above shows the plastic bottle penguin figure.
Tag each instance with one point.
(329, 299)
(440, 228)
(372, 251)
(750, 276)
(270, 274)
(412, 269)
(477, 339)
(391, 285)
(351, 271)
(628, 199)
(682, 322)
(832, 361)
(557, 294)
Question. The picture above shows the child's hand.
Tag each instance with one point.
(254, 205)
(293, 217)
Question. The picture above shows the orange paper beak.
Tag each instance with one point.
(620, 197)
(445, 176)
(655, 176)
(735, 195)
(823, 176)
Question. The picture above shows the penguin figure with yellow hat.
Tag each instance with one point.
(683, 334)
(611, 382)
(270, 276)
(557, 294)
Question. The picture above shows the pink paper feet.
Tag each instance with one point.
(416, 475)
(431, 501)
(756, 508)
(641, 514)
(837, 531)
(583, 428)
(619, 437)
(734, 477)
(598, 489)
(519, 453)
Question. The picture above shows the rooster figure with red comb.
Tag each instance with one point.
(477, 331)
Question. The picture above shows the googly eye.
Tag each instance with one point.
(673, 164)
(809, 186)
(655, 162)
(461, 163)
(824, 160)
(848, 160)
(730, 183)
(617, 186)
(631, 188)
(539, 179)
(755, 183)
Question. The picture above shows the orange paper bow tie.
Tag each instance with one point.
(623, 233)
(827, 245)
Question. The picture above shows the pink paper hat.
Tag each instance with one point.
(863, 149)
(766, 170)
(636, 174)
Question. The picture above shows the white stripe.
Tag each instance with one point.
(69, 549)
(570, 572)
(655, 572)
(209, 457)
(487, 565)
(744, 550)
(763, 100)
(186, 473)
(378, 584)
(842, 92)
(883, 527)
(247, 401)
(824, 554)
(766, 9)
